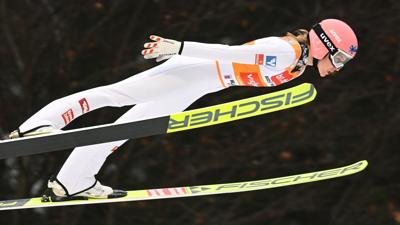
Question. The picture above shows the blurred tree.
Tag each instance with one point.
(49, 49)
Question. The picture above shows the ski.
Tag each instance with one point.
(192, 191)
(208, 116)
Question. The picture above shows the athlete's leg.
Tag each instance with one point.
(84, 162)
(62, 111)
(176, 89)
(147, 86)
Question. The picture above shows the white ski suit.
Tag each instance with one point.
(169, 88)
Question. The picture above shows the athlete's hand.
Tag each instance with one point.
(161, 48)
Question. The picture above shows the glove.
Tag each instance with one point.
(161, 48)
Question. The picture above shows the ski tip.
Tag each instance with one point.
(355, 168)
(314, 91)
(364, 164)
(306, 90)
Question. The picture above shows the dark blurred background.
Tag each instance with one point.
(49, 49)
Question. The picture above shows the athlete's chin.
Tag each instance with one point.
(323, 74)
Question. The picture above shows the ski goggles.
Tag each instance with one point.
(337, 56)
(340, 58)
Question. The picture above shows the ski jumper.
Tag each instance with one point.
(170, 88)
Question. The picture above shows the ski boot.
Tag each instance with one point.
(56, 192)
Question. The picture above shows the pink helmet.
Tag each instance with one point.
(341, 34)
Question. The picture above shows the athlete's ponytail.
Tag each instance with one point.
(301, 35)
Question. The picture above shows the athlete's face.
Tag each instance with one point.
(325, 67)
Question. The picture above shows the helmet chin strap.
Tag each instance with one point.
(315, 64)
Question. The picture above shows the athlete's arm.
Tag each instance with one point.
(264, 62)
(162, 49)
(237, 53)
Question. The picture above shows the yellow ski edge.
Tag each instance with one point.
(244, 108)
(191, 191)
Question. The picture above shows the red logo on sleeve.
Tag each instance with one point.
(68, 116)
(259, 59)
(84, 105)
(281, 78)
(251, 79)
